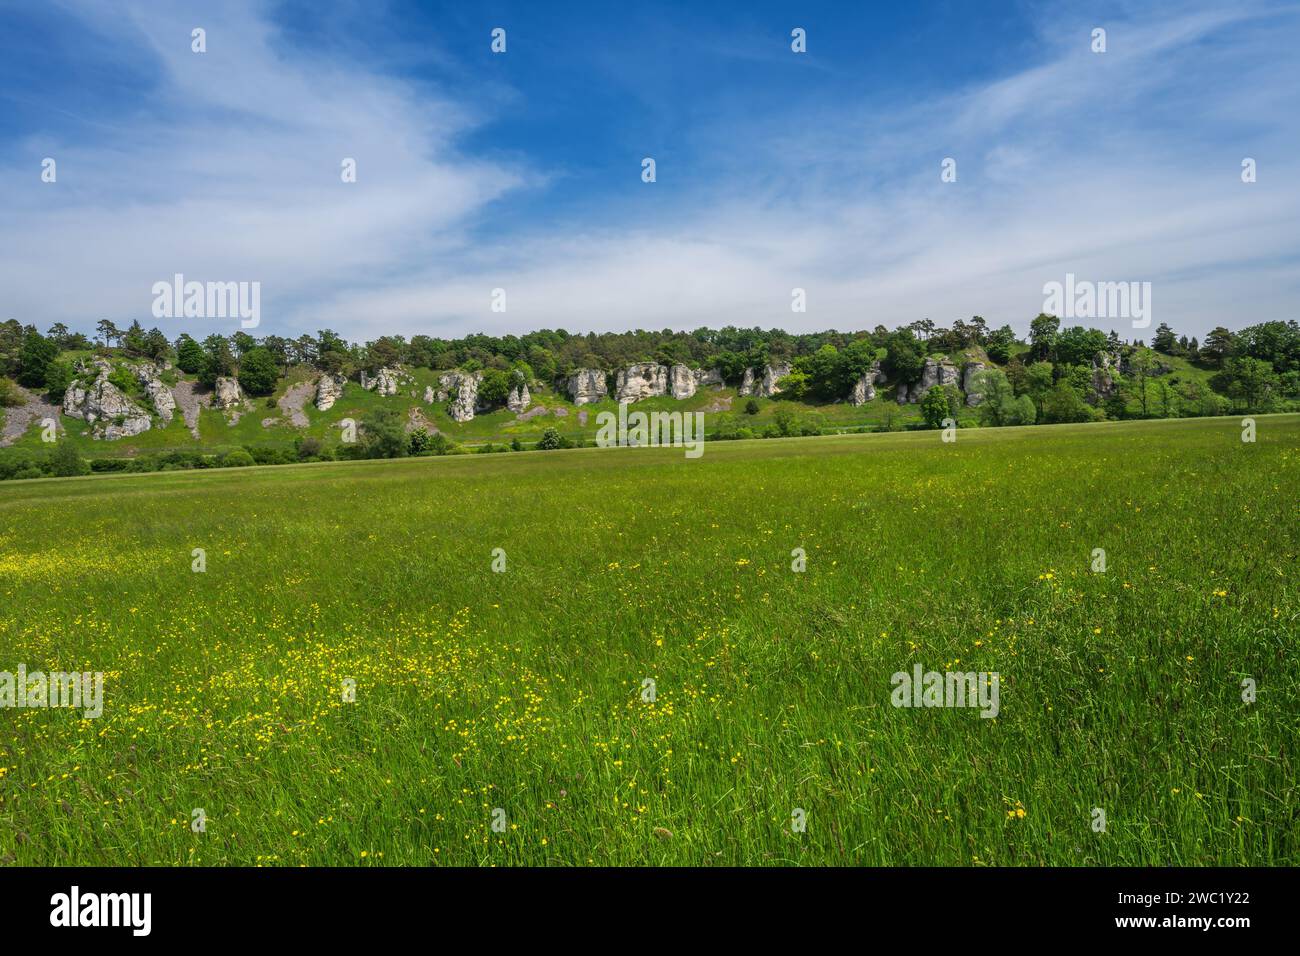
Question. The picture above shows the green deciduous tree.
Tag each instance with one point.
(258, 372)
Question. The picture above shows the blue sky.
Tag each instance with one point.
(521, 171)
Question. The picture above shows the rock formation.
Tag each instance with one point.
(102, 405)
(936, 371)
(710, 376)
(640, 381)
(160, 395)
(1106, 369)
(587, 385)
(462, 389)
(329, 389)
(771, 375)
(227, 394)
(968, 383)
(519, 399)
(864, 389)
(764, 387)
(681, 382)
(386, 381)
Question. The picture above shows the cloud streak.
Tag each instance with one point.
(1121, 166)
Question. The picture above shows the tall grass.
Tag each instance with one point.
(526, 690)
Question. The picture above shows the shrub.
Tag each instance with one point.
(385, 435)
(495, 387)
(550, 440)
(940, 402)
(123, 379)
(751, 407)
(237, 459)
(309, 447)
(18, 463)
(66, 462)
(102, 466)
(419, 442)
(9, 394)
(270, 455)
(440, 444)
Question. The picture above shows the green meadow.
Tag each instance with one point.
(606, 656)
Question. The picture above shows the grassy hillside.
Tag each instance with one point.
(217, 433)
(523, 690)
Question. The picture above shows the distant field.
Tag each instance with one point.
(523, 690)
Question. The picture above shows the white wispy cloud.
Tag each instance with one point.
(1121, 166)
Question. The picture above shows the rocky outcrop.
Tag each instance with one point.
(519, 399)
(227, 394)
(681, 382)
(636, 382)
(386, 381)
(429, 395)
(587, 385)
(764, 386)
(969, 385)
(462, 390)
(161, 397)
(864, 389)
(936, 371)
(771, 375)
(710, 376)
(1105, 375)
(104, 406)
(329, 389)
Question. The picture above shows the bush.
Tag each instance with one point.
(384, 435)
(940, 402)
(495, 387)
(309, 447)
(9, 394)
(123, 379)
(104, 466)
(66, 462)
(180, 460)
(751, 407)
(270, 455)
(18, 463)
(785, 420)
(550, 440)
(236, 459)
(419, 442)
